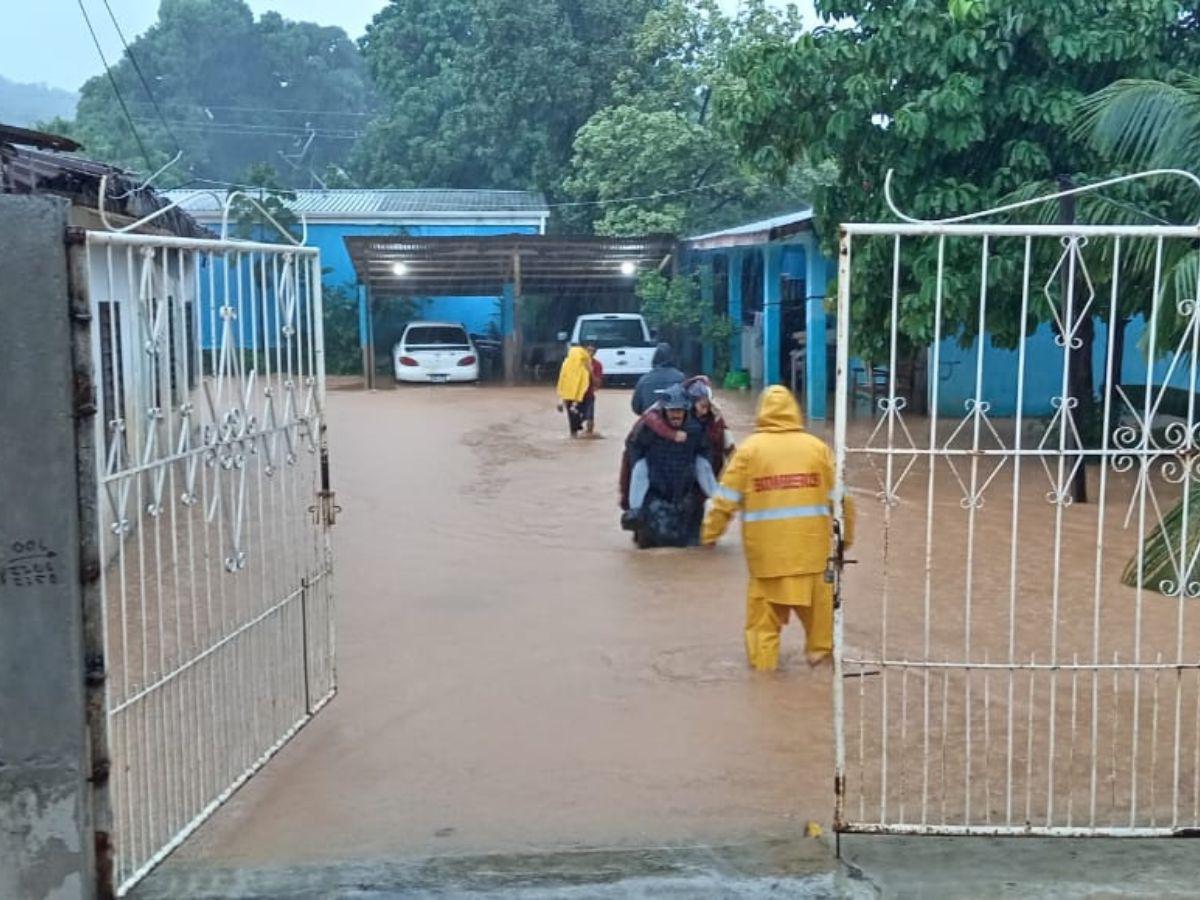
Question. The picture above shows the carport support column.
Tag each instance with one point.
(707, 356)
(46, 842)
(508, 327)
(515, 341)
(816, 271)
(518, 330)
(772, 313)
(364, 333)
(735, 309)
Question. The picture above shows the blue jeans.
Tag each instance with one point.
(639, 481)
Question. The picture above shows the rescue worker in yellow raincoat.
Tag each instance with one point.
(781, 479)
(574, 379)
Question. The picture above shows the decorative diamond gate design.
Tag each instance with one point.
(213, 514)
(1009, 658)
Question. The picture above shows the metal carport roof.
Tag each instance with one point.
(401, 265)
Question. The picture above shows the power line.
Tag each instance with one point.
(200, 106)
(657, 196)
(138, 69)
(116, 90)
(251, 130)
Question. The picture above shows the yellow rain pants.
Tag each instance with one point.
(769, 604)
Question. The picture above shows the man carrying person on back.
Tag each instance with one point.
(665, 472)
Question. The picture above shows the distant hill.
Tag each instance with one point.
(24, 104)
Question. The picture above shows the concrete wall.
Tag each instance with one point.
(44, 830)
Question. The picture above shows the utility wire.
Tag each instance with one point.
(262, 131)
(116, 90)
(141, 77)
(656, 196)
(294, 131)
(200, 106)
(259, 187)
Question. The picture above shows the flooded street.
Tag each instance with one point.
(514, 676)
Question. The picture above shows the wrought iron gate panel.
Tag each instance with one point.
(214, 584)
(993, 675)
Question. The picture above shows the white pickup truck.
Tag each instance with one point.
(624, 344)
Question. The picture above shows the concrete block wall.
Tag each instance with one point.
(45, 835)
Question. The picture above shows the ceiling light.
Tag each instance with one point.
(628, 267)
(399, 268)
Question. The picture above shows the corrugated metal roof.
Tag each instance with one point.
(480, 265)
(26, 170)
(389, 203)
(756, 228)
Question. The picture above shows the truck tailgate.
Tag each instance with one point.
(625, 361)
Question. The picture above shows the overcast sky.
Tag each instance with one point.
(48, 42)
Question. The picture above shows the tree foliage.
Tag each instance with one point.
(233, 91)
(660, 142)
(674, 306)
(970, 101)
(489, 93)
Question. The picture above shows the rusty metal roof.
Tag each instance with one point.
(26, 170)
(391, 203)
(399, 266)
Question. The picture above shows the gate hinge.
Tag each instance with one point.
(95, 674)
(100, 771)
(325, 510)
(85, 397)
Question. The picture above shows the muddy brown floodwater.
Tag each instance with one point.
(514, 676)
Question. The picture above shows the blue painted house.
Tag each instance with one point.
(770, 277)
(332, 215)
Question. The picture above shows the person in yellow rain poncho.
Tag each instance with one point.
(781, 479)
(574, 379)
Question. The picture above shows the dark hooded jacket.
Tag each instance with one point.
(662, 376)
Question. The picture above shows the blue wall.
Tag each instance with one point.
(476, 313)
(1043, 371)
(335, 259)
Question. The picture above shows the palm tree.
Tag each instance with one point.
(1149, 124)
(1146, 124)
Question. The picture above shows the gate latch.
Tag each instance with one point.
(325, 510)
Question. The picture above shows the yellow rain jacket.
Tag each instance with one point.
(575, 376)
(781, 479)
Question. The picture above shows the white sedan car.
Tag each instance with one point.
(433, 352)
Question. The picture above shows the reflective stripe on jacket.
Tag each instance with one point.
(781, 479)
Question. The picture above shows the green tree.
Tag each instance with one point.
(1152, 123)
(1155, 124)
(489, 93)
(970, 101)
(672, 305)
(233, 91)
(660, 141)
(260, 213)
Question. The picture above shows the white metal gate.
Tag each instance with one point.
(993, 673)
(213, 507)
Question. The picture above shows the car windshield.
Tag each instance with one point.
(612, 333)
(440, 336)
